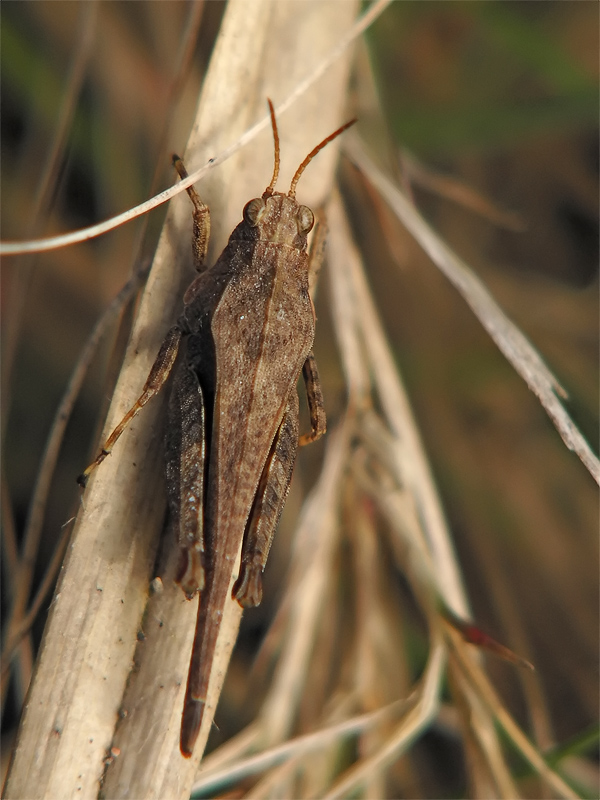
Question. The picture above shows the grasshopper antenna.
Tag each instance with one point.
(313, 153)
(271, 186)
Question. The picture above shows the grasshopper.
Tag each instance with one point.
(232, 429)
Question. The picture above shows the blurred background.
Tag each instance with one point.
(488, 113)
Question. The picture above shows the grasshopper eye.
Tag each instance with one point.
(253, 211)
(306, 219)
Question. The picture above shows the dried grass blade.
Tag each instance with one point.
(488, 767)
(411, 726)
(479, 681)
(510, 340)
(458, 192)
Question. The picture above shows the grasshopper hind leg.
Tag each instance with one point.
(267, 507)
(185, 445)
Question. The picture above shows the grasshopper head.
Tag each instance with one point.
(279, 219)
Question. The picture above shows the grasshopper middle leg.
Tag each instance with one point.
(316, 404)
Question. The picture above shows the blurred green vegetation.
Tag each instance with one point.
(478, 75)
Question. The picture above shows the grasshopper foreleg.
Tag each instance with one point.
(168, 351)
(158, 375)
(201, 216)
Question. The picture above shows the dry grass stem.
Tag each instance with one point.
(411, 463)
(411, 726)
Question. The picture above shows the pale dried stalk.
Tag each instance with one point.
(264, 49)
(414, 723)
(310, 756)
(490, 762)
(16, 625)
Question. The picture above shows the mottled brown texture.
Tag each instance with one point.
(251, 326)
(232, 430)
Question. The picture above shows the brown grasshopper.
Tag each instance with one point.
(232, 429)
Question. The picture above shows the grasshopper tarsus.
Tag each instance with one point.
(82, 479)
(179, 166)
(309, 438)
(248, 588)
(191, 575)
